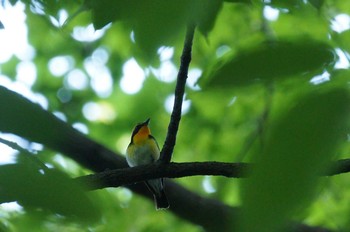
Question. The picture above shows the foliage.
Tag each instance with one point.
(271, 92)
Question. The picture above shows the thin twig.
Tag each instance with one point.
(173, 127)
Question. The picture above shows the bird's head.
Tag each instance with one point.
(141, 132)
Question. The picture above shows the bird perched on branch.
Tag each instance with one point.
(143, 149)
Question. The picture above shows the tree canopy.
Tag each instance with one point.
(261, 114)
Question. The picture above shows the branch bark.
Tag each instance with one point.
(129, 176)
(170, 140)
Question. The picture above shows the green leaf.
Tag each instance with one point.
(299, 146)
(207, 12)
(239, 1)
(156, 22)
(49, 190)
(317, 3)
(150, 20)
(286, 4)
(269, 62)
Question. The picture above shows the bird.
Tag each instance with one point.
(143, 149)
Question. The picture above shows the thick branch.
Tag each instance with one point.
(170, 139)
(127, 176)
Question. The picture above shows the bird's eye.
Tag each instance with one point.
(137, 128)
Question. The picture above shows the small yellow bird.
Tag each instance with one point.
(143, 149)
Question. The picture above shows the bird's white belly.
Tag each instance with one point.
(141, 156)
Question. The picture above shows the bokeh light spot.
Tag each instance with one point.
(133, 77)
(60, 65)
(77, 80)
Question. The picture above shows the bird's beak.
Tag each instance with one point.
(147, 121)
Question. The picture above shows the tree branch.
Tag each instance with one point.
(128, 176)
(170, 140)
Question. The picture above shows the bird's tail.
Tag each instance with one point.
(161, 200)
(156, 187)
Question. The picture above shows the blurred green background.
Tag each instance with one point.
(262, 73)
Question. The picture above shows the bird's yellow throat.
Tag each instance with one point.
(142, 135)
